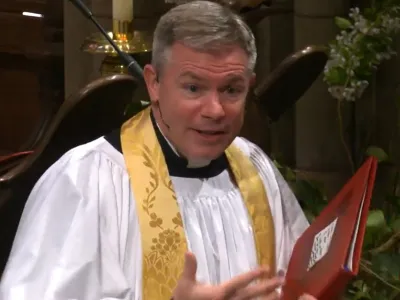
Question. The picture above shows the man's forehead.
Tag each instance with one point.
(200, 74)
(179, 53)
(183, 61)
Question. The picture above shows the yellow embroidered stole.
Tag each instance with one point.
(162, 234)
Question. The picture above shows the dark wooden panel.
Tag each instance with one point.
(21, 34)
(31, 69)
(20, 104)
(37, 6)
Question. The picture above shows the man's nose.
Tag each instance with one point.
(213, 108)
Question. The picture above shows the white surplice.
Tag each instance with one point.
(79, 236)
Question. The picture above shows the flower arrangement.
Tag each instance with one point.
(364, 42)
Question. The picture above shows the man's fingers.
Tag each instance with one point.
(230, 287)
(190, 267)
(265, 288)
(307, 297)
(273, 296)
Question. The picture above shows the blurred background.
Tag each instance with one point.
(327, 96)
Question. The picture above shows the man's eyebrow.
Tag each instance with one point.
(235, 78)
(231, 78)
(191, 75)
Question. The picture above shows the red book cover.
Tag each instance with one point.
(326, 257)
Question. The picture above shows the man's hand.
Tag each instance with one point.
(237, 288)
(307, 297)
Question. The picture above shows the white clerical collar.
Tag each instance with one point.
(198, 163)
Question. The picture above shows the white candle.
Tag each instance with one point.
(123, 10)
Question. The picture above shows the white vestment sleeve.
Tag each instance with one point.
(72, 237)
(294, 220)
(289, 219)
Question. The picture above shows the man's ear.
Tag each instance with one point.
(153, 87)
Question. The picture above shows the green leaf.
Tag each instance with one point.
(277, 164)
(362, 291)
(377, 152)
(290, 175)
(336, 76)
(310, 194)
(384, 263)
(376, 229)
(376, 220)
(342, 23)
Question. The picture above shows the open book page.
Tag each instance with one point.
(323, 239)
(321, 244)
(349, 264)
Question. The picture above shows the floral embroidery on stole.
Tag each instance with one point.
(162, 233)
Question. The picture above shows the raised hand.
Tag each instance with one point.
(250, 285)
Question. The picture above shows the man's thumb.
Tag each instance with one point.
(190, 267)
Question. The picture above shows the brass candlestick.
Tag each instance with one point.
(130, 41)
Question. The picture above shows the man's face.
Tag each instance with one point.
(199, 98)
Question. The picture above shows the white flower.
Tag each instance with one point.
(354, 47)
(362, 25)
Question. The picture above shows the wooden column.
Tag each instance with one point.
(274, 38)
(319, 153)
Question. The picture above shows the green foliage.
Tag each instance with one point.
(364, 42)
(379, 275)
(378, 153)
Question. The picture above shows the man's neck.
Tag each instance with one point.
(197, 163)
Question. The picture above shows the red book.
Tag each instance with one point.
(326, 257)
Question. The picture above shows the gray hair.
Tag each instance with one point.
(204, 26)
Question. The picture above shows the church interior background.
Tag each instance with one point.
(52, 57)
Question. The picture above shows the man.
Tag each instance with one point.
(174, 204)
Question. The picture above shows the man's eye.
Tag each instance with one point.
(233, 90)
(192, 88)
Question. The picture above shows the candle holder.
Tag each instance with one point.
(130, 41)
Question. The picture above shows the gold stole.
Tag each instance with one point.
(162, 234)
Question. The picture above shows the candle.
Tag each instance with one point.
(123, 10)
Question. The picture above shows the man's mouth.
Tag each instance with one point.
(211, 132)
